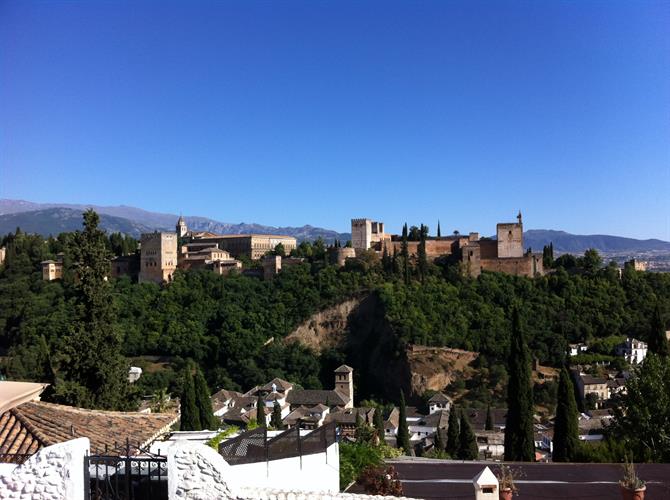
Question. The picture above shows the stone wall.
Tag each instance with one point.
(53, 473)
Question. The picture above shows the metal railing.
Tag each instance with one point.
(127, 472)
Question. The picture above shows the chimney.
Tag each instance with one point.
(486, 485)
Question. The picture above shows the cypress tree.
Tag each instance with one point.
(404, 252)
(379, 424)
(439, 233)
(566, 431)
(519, 442)
(421, 251)
(260, 411)
(403, 430)
(453, 433)
(439, 440)
(658, 342)
(275, 419)
(467, 442)
(91, 369)
(489, 419)
(190, 418)
(203, 402)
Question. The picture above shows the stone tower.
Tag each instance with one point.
(158, 257)
(510, 239)
(181, 227)
(344, 384)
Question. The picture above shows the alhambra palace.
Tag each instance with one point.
(162, 253)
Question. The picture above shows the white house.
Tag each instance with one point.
(634, 351)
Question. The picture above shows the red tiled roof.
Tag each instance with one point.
(36, 424)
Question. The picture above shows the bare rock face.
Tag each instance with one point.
(434, 368)
(382, 364)
(325, 329)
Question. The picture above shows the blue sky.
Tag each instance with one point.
(291, 113)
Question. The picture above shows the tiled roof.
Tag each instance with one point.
(220, 398)
(311, 397)
(439, 398)
(348, 416)
(344, 369)
(439, 419)
(282, 385)
(36, 424)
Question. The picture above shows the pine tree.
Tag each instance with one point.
(203, 402)
(260, 411)
(403, 430)
(658, 342)
(439, 232)
(453, 433)
(379, 424)
(275, 419)
(421, 251)
(489, 419)
(467, 442)
(566, 431)
(91, 370)
(190, 417)
(404, 253)
(519, 439)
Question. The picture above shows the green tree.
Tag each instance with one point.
(404, 253)
(519, 442)
(467, 442)
(421, 253)
(260, 411)
(379, 424)
(489, 419)
(275, 419)
(90, 356)
(403, 430)
(642, 412)
(190, 418)
(439, 232)
(453, 434)
(203, 402)
(280, 250)
(658, 342)
(566, 431)
(439, 440)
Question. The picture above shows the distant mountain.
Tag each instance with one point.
(573, 243)
(53, 218)
(52, 221)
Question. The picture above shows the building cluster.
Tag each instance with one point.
(504, 254)
(303, 408)
(162, 253)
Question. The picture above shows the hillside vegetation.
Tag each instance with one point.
(233, 326)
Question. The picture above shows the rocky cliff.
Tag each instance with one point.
(382, 363)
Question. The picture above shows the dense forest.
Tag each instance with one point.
(233, 326)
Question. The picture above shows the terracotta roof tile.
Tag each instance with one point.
(36, 424)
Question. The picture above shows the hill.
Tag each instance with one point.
(572, 243)
(53, 218)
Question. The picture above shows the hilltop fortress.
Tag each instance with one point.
(503, 254)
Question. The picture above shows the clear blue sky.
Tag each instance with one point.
(291, 113)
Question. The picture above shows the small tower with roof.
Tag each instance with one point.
(181, 227)
(344, 384)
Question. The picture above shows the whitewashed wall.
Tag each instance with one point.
(318, 472)
(53, 473)
(197, 472)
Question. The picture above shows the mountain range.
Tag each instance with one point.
(53, 218)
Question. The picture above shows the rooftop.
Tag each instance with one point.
(36, 424)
